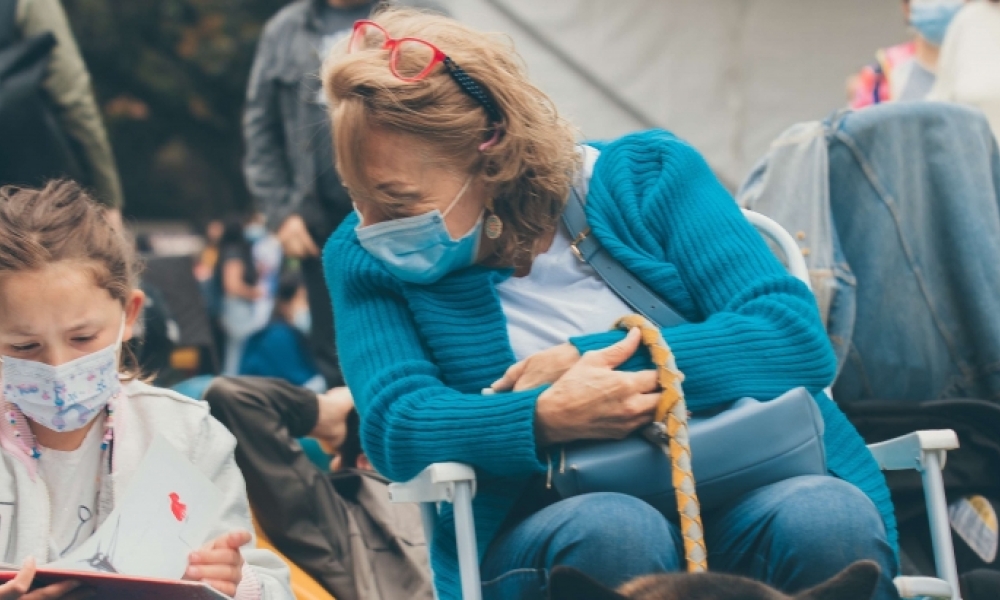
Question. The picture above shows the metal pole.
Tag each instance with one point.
(465, 535)
(944, 551)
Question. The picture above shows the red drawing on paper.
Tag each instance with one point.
(178, 508)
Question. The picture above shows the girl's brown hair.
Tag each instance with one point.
(529, 169)
(60, 222)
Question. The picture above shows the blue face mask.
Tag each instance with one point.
(419, 249)
(931, 20)
(254, 232)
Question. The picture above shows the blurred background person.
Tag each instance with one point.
(907, 71)
(236, 282)
(289, 156)
(268, 258)
(969, 69)
(281, 349)
(156, 332)
(205, 262)
(49, 81)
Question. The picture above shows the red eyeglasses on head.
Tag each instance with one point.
(412, 59)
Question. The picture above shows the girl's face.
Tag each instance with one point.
(58, 314)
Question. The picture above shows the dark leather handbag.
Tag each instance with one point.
(734, 450)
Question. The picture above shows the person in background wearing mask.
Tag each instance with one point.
(281, 349)
(268, 259)
(289, 159)
(907, 72)
(236, 282)
(969, 69)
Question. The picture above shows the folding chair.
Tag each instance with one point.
(924, 451)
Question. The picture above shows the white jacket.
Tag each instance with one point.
(143, 412)
(968, 71)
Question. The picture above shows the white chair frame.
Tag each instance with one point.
(924, 451)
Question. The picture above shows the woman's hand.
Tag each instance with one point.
(219, 563)
(593, 401)
(538, 369)
(17, 588)
(334, 406)
(295, 239)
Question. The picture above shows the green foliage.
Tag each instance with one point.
(170, 77)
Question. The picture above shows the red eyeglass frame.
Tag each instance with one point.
(392, 44)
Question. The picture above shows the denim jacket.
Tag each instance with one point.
(285, 119)
(791, 185)
(913, 198)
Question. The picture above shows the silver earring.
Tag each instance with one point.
(494, 227)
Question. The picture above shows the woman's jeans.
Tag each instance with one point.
(239, 323)
(791, 535)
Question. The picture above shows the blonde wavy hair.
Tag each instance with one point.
(527, 172)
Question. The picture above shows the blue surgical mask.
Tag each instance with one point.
(255, 232)
(302, 320)
(419, 249)
(931, 19)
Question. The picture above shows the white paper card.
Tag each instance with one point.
(167, 512)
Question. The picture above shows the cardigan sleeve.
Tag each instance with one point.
(755, 329)
(409, 417)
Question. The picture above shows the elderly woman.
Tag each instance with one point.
(456, 275)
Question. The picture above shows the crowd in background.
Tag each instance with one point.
(252, 263)
(260, 278)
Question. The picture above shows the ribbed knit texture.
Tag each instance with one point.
(416, 357)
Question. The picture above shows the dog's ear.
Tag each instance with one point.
(856, 582)
(566, 583)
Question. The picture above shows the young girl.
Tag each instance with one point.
(76, 424)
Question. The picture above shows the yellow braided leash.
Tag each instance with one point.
(672, 413)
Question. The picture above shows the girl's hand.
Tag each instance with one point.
(593, 401)
(219, 563)
(538, 369)
(17, 588)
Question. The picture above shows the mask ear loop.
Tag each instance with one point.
(458, 197)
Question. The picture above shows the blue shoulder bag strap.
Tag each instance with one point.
(634, 292)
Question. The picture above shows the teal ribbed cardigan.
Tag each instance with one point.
(416, 357)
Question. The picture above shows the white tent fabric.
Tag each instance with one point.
(727, 75)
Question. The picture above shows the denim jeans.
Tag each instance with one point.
(791, 535)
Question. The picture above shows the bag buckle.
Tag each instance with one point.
(562, 466)
(574, 245)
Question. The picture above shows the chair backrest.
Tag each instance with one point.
(784, 241)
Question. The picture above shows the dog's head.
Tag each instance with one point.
(856, 582)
